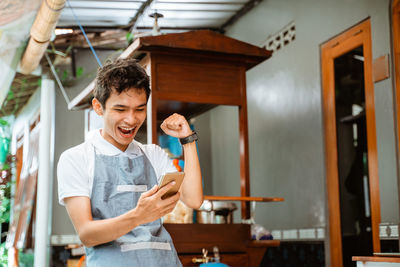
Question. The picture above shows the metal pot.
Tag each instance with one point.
(218, 212)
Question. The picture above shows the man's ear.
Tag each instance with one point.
(97, 106)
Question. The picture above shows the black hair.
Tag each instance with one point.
(120, 75)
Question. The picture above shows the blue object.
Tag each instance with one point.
(172, 144)
(84, 34)
(4, 147)
(181, 163)
(213, 264)
(163, 140)
(175, 146)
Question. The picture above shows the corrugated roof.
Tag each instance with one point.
(177, 14)
(121, 16)
(22, 88)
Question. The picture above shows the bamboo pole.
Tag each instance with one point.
(41, 31)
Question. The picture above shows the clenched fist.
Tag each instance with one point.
(177, 126)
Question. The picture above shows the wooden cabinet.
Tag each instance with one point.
(192, 72)
(231, 259)
(232, 240)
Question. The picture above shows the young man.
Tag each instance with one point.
(109, 183)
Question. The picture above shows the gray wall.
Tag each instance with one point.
(70, 129)
(202, 127)
(285, 115)
(69, 132)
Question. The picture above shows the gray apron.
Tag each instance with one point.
(118, 183)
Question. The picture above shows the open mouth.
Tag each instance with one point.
(126, 132)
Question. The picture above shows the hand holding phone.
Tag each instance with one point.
(169, 177)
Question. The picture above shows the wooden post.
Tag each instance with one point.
(244, 147)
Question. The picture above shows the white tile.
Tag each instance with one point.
(307, 234)
(276, 234)
(290, 234)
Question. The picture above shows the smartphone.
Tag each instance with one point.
(169, 177)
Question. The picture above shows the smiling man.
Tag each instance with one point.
(109, 183)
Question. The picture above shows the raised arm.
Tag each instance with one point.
(91, 232)
(191, 189)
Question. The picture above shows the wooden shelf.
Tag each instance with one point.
(191, 238)
(264, 243)
(376, 259)
(257, 199)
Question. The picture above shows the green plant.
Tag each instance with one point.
(129, 37)
(25, 259)
(5, 134)
(5, 202)
(3, 255)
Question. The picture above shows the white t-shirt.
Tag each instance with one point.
(75, 169)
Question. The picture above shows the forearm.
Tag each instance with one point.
(192, 189)
(96, 232)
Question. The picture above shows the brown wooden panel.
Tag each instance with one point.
(203, 99)
(199, 80)
(371, 138)
(191, 238)
(244, 151)
(19, 160)
(153, 103)
(334, 228)
(189, 110)
(204, 41)
(396, 61)
(376, 259)
(381, 68)
(257, 199)
(24, 198)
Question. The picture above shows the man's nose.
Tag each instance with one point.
(131, 118)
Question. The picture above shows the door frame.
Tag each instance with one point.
(335, 47)
(396, 58)
(395, 22)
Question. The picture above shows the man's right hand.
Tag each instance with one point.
(151, 207)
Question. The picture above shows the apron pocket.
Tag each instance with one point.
(145, 245)
(125, 197)
(131, 188)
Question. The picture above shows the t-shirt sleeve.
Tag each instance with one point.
(160, 161)
(72, 176)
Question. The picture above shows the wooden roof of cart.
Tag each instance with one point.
(203, 42)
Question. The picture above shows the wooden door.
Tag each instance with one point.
(359, 35)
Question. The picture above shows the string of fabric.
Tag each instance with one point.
(84, 34)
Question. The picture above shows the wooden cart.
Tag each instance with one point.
(191, 73)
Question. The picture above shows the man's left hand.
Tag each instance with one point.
(176, 125)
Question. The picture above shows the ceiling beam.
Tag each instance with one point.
(246, 8)
(139, 13)
(181, 28)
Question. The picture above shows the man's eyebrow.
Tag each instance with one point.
(119, 106)
(124, 106)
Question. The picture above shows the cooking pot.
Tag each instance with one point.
(218, 212)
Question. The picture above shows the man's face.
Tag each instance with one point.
(123, 115)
